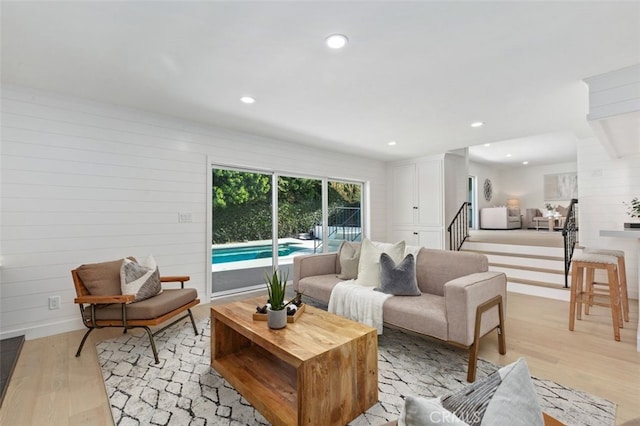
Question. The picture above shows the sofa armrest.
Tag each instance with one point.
(463, 295)
(313, 264)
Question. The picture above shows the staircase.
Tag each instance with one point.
(533, 270)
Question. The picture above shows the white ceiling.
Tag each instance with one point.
(415, 72)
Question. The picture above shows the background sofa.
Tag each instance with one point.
(457, 289)
(500, 218)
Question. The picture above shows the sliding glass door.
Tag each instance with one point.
(306, 214)
(242, 237)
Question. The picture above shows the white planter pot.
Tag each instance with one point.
(277, 319)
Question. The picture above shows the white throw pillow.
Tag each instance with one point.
(369, 265)
(140, 279)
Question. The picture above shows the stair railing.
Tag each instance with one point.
(459, 227)
(570, 236)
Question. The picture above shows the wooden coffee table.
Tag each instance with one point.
(320, 370)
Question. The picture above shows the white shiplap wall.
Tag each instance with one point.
(604, 184)
(85, 182)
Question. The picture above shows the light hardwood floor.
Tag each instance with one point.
(52, 387)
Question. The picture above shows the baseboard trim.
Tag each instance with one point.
(44, 330)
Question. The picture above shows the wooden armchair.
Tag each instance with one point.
(102, 304)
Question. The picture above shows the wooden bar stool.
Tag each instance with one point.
(583, 266)
(622, 277)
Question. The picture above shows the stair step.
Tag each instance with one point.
(537, 283)
(520, 255)
(527, 268)
(513, 249)
(554, 277)
(530, 269)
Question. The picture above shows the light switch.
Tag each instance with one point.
(185, 217)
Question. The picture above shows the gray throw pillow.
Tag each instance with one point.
(400, 279)
(349, 256)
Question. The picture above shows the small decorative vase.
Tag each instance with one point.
(277, 319)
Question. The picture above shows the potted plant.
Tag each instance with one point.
(634, 212)
(550, 209)
(276, 287)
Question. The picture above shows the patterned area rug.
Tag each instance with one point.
(184, 390)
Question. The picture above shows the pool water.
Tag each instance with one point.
(234, 254)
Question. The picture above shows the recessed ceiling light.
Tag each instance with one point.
(392, 143)
(247, 99)
(477, 124)
(525, 162)
(337, 41)
(487, 144)
(508, 155)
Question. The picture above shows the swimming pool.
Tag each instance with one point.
(263, 251)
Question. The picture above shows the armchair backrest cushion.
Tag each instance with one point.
(101, 279)
(434, 268)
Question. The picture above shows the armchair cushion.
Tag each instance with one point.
(141, 280)
(151, 308)
(101, 279)
(398, 279)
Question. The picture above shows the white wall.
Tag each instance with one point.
(604, 184)
(85, 182)
(527, 184)
(482, 172)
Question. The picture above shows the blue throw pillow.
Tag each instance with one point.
(400, 279)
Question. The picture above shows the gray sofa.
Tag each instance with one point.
(460, 299)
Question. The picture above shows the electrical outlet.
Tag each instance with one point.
(54, 302)
(185, 217)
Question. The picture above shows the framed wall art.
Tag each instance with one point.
(560, 186)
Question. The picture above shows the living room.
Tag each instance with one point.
(90, 175)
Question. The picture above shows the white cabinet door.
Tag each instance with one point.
(410, 237)
(431, 239)
(403, 190)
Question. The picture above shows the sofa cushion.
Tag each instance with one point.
(101, 279)
(349, 256)
(140, 279)
(154, 307)
(318, 286)
(398, 279)
(369, 266)
(423, 314)
(434, 268)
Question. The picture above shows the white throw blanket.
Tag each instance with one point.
(358, 303)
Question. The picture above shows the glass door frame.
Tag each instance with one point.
(275, 175)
